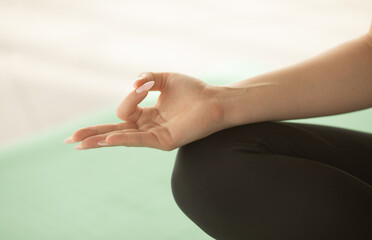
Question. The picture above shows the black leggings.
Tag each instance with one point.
(277, 180)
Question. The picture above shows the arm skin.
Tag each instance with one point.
(336, 81)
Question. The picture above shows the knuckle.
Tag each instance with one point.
(117, 112)
(78, 135)
(110, 139)
(123, 115)
(85, 132)
(145, 74)
(89, 142)
(120, 114)
(85, 144)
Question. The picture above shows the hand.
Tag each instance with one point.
(186, 111)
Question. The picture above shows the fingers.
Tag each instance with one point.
(128, 110)
(92, 141)
(83, 133)
(160, 80)
(133, 139)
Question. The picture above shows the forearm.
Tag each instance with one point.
(337, 81)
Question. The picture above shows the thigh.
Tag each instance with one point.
(348, 150)
(275, 181)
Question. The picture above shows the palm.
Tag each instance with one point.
(183, 113)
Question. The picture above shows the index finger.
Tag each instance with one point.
(128, 109)
(160, 79)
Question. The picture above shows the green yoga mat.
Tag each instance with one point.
(50, 191)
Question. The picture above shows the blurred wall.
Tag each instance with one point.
(63, 58)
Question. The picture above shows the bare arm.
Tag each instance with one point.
(337, 81)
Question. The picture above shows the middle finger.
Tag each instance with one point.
(83, 133)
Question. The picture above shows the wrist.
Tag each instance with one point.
(232, 102)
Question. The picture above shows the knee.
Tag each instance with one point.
(202, 159)
(205, 179)
(192, 173)
(191, 183)
(206, 165)
(228, 188)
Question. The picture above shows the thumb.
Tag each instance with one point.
(129, 110)
(160, 79)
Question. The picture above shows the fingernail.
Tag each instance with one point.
(134, 83)
(102, 143)
(145, 87)
(79, 147)
(68, 140)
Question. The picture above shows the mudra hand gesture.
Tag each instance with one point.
(186, 110)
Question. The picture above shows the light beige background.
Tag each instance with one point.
(60, 59)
